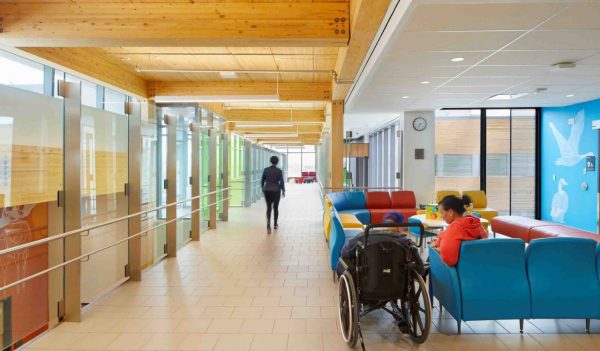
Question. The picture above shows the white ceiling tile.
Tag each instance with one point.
(434, 58)
(506, 71)
(489, 81)
(507, 16)
(592, 60)
(542, 57)
(452, 41)
(469, 89)
(580, 39)
(577, 16)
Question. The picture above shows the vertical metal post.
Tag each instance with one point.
(133, 188)
(196, 184)
(225, 169)
(212, 187)
(171, 123)
(71, 93)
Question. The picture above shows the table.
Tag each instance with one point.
(437, 224)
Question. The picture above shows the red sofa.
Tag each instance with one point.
(379, 203)
(528, 229)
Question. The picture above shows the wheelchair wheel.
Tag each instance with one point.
(419, 309)
(348, 308)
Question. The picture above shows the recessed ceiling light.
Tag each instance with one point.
(405, 97)
(458, 59)
(228, 75)
(125, 58)
(570, 95)
(506, 96)
(425, 82)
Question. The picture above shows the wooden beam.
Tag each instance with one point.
(85, 61)
(273, 116)
(168, 23)
(366, 16)
(287, 91)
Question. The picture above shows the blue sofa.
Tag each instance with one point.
(500, 279)
(338, 238)
(354, 203)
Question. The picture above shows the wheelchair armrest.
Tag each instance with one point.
(343, 263)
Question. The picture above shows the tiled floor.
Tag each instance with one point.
(240, 289)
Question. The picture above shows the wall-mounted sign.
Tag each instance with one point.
(590, 163)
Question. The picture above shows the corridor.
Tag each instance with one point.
(240, 289)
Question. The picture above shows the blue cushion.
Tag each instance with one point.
(598, 261)
(348, 200)
(364, 216)
(444, 284)
(338, 238)
(563, 278)
(493, 280)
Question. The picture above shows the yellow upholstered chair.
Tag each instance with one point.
(419, 212)
(440, 194)
(479, 201)
(348, 220)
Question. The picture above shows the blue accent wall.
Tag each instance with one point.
(580, 210)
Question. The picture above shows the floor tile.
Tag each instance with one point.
(304, 342)
(273, 342)
(201, 342)
(234, 342)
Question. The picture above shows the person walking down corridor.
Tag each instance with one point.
(273, 187)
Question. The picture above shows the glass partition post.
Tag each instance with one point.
(171, 170)
(184, 191)
(205, 173)
(133, 188)
(196, 179)
(247, 173)
(225, 171)
(71, 93)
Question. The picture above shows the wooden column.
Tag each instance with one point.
(337, 145)
(133, 188)
(71, 93)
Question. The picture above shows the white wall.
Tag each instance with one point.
(419, 175)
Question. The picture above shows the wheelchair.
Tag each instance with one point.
(387, 274)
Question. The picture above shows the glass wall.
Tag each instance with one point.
(236, 169)
(298, 159)
(457, 150)
(104, 173)
(31, 174)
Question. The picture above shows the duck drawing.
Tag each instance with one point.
(560, 203)
(569, 149)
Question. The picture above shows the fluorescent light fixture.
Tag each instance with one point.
(570, 95)
(271, 135)
(506, 96)
(405, 97)
(458, 59)
(228, 75)
(425, 82)
(215, 98)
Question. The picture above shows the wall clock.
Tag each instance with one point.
(419, 124)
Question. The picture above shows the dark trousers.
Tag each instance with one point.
(272, 198)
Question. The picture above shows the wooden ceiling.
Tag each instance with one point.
(187, 48)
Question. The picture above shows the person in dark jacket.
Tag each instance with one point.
(273, 187)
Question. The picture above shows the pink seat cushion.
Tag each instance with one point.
(516, 226)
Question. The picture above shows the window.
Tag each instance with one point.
(114, 101)
(457, 150)
(21, 73)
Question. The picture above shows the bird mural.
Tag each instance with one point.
(569, 149)
(560, 203)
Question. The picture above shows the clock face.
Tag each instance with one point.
(419, 124)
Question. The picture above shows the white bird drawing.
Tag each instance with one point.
(560, 203)
(569, 149)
